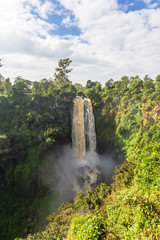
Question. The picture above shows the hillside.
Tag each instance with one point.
(35, 121)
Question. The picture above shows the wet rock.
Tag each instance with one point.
(88, 179)
(80, 181)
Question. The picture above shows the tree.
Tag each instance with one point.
(157, 83)
(20, 91)
(44, 86)
(109, 84)
(63, 70)
(124, 83)
(7, 87)
(36, 86)
(0, 63)
(148, 84)
(158, 78)
(1, 78)
(78, 86)
(17, 78)
(22, 85)
(90, 84)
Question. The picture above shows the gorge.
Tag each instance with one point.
(40, 167)
(81, 167)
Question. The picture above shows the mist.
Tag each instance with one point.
(82, 175)
(64, 175)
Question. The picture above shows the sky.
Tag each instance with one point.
(103, 38)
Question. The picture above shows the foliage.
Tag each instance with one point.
(133, 214)
(35, 117)
(59, 222)
(58, 225)
(39, 236)
(87, 227)
(63, 70)
(93, 199)
(124, 175)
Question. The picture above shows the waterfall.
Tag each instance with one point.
(78, 133)
(89, 126)
(83, 128)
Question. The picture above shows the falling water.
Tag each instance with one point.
(89, 126)
(78, 133)
(83, 128)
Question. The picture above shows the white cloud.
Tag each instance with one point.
(15, 19)
(122, 43)
(112, 43)
(153, 5)
(150, 3)
(26, 38)
(42, 9)
(147, 1)
(88, 11)
(67, 22)
(125, 6)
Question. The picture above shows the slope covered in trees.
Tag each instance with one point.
(35, 119)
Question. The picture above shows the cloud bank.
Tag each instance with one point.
(104, 39)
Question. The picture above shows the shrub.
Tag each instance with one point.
(87, 227)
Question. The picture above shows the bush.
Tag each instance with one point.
(93, 199)
(87, 227)
(59, 222)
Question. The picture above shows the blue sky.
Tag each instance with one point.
(130, 5)
(105, 38)
(57, 19)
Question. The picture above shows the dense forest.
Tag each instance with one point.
(35, 121)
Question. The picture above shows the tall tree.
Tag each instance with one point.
(22, 85)
(63, 70)
(7, 87)
(157, 83)
(36, 87)
(44, 85)
(1, 78)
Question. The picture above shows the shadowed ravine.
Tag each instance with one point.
(80, 167)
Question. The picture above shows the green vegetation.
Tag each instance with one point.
(87, 227)
(35, 119)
